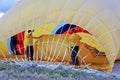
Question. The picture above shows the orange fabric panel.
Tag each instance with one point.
(56, 48)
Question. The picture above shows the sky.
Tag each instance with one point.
(5, 5)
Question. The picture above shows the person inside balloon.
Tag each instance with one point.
(74, 43)
(29, 47)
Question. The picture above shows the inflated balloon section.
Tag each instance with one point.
(54, 46)
(53, 21)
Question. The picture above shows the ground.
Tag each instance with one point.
(20, 70)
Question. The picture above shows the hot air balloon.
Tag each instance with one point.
(96, 22)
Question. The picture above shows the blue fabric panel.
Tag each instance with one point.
(64, 28)
(59, 26)
(8, 45)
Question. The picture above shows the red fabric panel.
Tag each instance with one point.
(20, 46)
(78, 29)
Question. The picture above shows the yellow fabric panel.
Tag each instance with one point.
(91, 40)
(3, 49)
(45, 29)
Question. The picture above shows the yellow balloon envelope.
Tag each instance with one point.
(95, 22)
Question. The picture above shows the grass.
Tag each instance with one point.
(13, 71)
